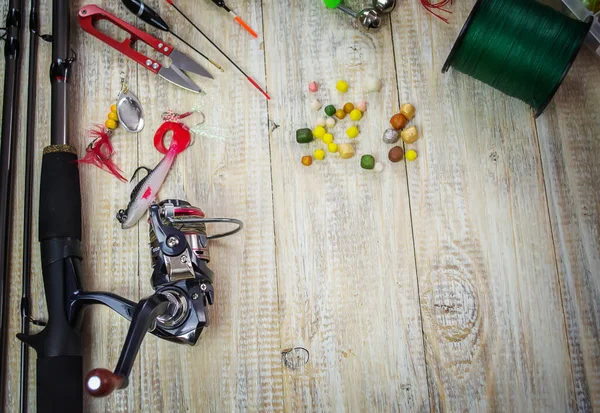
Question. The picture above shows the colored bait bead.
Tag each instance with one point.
(306, 160)
(113, 116)
(332, 4)
(391, 136)
(362, 106)
(356, 115)
(332, 147)
(396, 154)
(410, 135)
(341, 86)
(352, 132)
(321, 121)
(319, 132)
(316, 105)
(327, 138)
(408, 110)
(348, 107)
(113, 108)
(111, 124)
(398, 121)
(346, 150)
(330, 122)
(340, 114)
(330, 110)
(367, 162)
(304, 135)
(319, 154)
(378, 167)
(313, 87)
(411, 155)
(373, 84)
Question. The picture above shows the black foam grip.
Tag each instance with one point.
(60, 384)
(60, 197)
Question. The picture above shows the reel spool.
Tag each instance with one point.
(182, 282)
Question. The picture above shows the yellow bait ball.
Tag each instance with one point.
(319, 132)
(328, 138)
(111, 124)
(113, 108)
(411, 155)
(332, 147)
(352, 132)
(356, 114)
(341, 86)
(319, 154)
(113, 116)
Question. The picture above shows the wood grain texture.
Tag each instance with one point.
(570, 144)
(484, 247)
(347, 282)
(492, 307)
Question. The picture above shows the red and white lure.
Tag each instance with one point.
(145, 192)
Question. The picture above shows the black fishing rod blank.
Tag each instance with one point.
(8, 152)
(59, 351)
(27, 202)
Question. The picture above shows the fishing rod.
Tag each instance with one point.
(8, 152)
(58, 346)
(26, 318)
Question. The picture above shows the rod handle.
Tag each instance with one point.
(59, 384)
(60, 197)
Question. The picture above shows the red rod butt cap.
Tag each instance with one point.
(102, 382)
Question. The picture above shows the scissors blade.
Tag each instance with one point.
(183, 62)
(176, 76)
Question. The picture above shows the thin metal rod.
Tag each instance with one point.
(27, 203)
(8, 152)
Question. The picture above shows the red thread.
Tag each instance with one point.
(437, 6)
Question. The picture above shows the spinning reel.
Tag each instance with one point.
(369, 17)
(182, 282)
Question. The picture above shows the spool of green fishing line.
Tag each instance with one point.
(520, 47)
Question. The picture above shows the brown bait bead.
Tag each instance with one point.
(396, 154)
(398, 121)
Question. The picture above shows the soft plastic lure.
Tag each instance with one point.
(145, 192)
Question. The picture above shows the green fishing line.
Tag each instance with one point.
(520, 47)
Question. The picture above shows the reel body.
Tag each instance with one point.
(181, 279)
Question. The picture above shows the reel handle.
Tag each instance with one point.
(102, 382)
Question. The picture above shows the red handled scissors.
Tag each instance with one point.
(90, 14)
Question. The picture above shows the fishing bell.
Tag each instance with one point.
(130, 111)
(370, 17)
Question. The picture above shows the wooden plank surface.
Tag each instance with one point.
(570, 146)
(464, 281)
(347, 281)
(484, 247)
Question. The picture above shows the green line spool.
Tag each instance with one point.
(520, 47)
